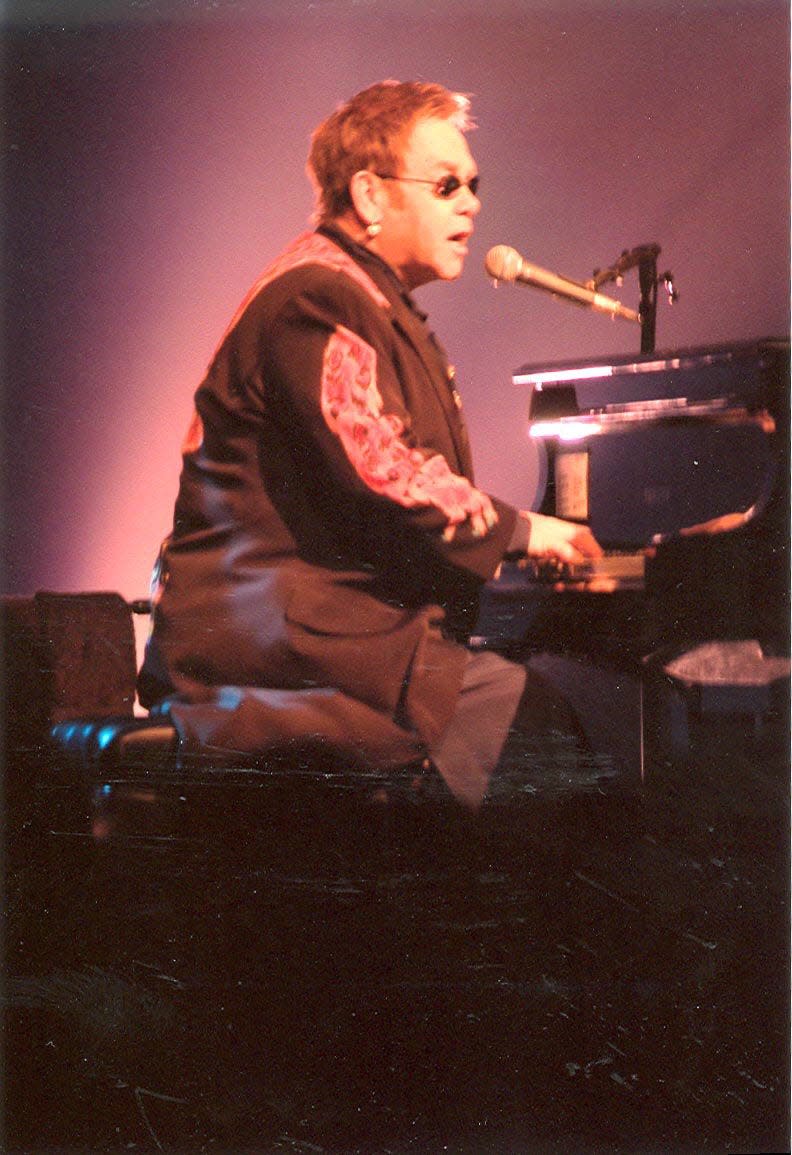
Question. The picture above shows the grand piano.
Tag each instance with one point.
(679, 462)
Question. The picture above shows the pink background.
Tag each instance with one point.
(155, 163)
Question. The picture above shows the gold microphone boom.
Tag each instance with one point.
(505, 264)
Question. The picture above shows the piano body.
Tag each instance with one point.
(679, 462)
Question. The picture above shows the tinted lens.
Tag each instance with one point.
(451, 184)
(448, 186)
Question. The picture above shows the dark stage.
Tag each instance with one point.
(601, 967)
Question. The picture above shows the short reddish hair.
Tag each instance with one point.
(369, 131)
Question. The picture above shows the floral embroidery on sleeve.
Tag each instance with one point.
(352, 407)
(307, 249)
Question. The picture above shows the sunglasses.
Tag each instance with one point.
(445, 187)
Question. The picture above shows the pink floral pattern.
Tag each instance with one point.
(352, 407)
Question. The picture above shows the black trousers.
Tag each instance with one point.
(550, 724)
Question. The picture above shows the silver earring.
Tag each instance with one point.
(374, 229)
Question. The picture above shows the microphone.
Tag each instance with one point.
(505, 264)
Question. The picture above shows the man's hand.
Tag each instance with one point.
(564, 540)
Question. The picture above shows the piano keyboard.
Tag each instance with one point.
(622, 567)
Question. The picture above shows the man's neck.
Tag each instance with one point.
(351, 231)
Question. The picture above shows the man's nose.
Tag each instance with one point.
(472, 204)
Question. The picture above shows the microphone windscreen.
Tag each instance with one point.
(503, 263)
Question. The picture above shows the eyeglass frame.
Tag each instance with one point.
(449, 179)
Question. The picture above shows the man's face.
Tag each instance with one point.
(424, 235)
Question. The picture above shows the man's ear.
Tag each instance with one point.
(367, 196)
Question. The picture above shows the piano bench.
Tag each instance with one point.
(122, 765)
(140, 785)
(80, 761)
(103, 745)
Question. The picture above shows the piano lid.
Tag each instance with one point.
(736, 372)
(611, 365)
(698, 435)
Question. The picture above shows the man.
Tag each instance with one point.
(329, 543)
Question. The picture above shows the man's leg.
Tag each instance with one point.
(576, 726)
(550, 725)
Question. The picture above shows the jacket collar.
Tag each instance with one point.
(410, 321)
(379, 270)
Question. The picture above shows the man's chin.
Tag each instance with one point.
(452, 271)
(447, 271)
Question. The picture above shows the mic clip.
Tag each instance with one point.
(644, 257)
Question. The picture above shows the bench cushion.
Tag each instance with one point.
(121, 744)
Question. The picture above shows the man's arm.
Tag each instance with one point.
(539, 536)
(335, 363)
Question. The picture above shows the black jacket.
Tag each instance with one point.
(325, 533)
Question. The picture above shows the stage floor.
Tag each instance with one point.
(592, 970)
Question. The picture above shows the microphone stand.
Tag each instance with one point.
(647, 310)
(645, 258)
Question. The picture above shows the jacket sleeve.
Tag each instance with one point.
(335, 361)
